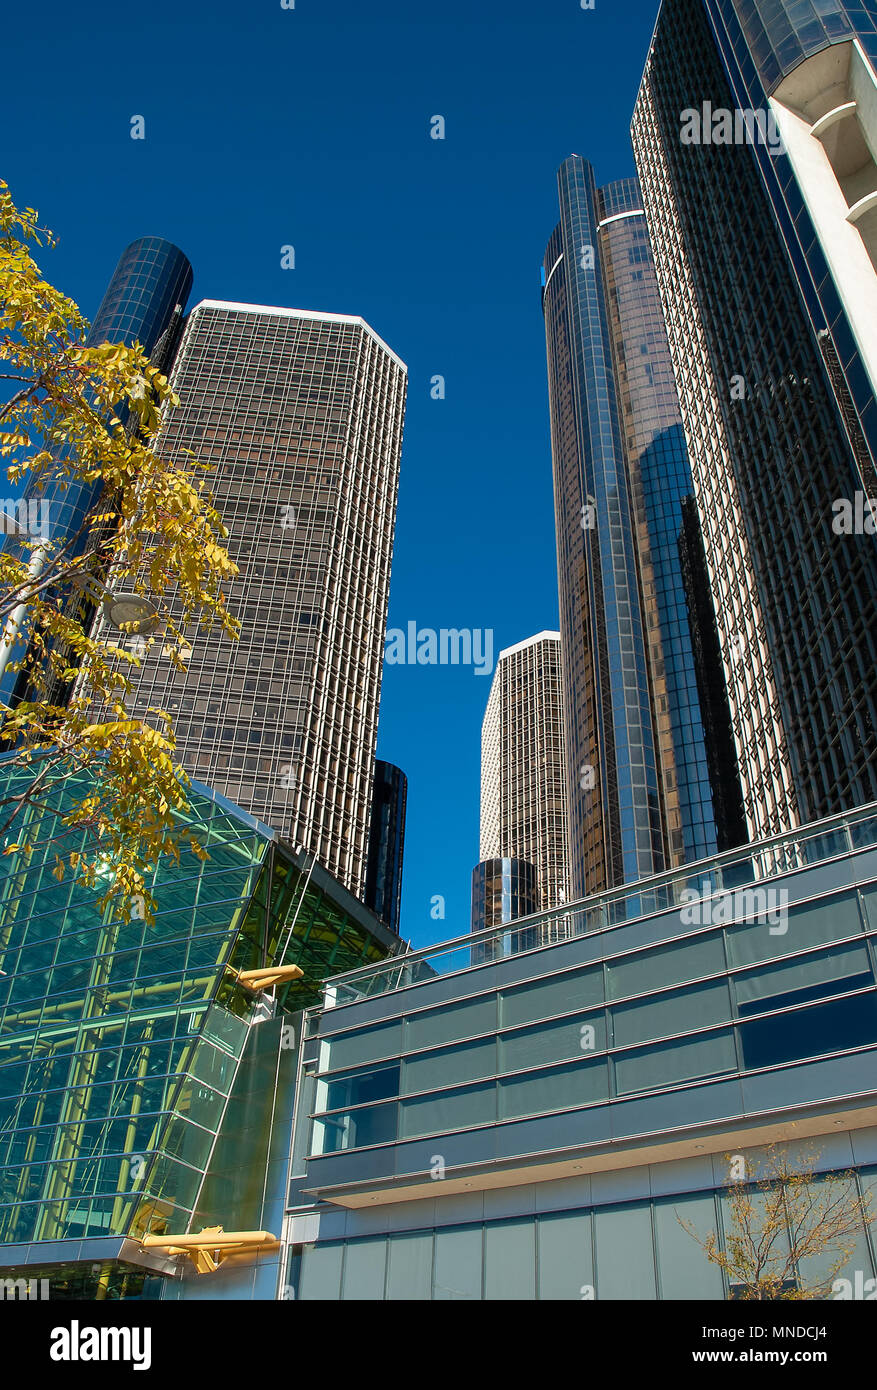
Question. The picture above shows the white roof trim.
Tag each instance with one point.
(529, 642)
(617, 216)
(299, 314)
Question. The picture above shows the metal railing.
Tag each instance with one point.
(811, 844)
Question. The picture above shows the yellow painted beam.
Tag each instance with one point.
(209, 1248)
(265, 979)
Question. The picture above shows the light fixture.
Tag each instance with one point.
(121, 609)
(131, 612)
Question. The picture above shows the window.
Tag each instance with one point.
(353, 1129)
(832, 1027)
(677, 1011)
(460, 1109)
(668, 1063)
(815, 976)
(358, 1088)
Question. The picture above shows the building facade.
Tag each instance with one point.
(754, 135)
(541, 1125)
(638, 788)
(523, 765)
(300, 416)
(145, 1074)
(386, 844)
(503, 889)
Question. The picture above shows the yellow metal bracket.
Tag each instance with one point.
(266, 979)
(212, 1246)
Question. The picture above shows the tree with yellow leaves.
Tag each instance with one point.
(75, 416)
(780, 1216)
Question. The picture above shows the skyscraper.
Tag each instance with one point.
(300, 415)
(386, 844)
(755, 137)
(504, 890)
(637, 773)
(523, 808)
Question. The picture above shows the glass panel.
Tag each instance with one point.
(462, 1020)
(841, 968)
(667, 1063)
(827, 844)
(471, 1105)
(834, 1027)
(353, 1129)
(552, 1042)
(818, 1266)
(363, 1045)
(364, 1264)
(684, 1268)
(566, 1266)
(666, 965)
(625, 1260)
(448, 1065)
(530, 1003)
(321, 1271)
(864, 832)
(869, 896)
(807, 924)
(409, 1275)
(358, 1088)
(678, 1011)
(510, 1260)
(458, 1263)
(775, 1246)
(556, 1088)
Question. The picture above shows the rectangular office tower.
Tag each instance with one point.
(639, 796)
(755, 136)
(523, 784)
(300, 415)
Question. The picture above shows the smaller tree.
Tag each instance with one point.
(781, 1218)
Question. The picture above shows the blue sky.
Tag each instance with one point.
(267, 127)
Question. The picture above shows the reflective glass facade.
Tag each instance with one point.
(152, 280)
(706, 652)
(127, 1052)
(777, 396)
(503, 890)
(386, 844)
(779, 34)
(638, 783)
(659, 478)
(613, 793)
